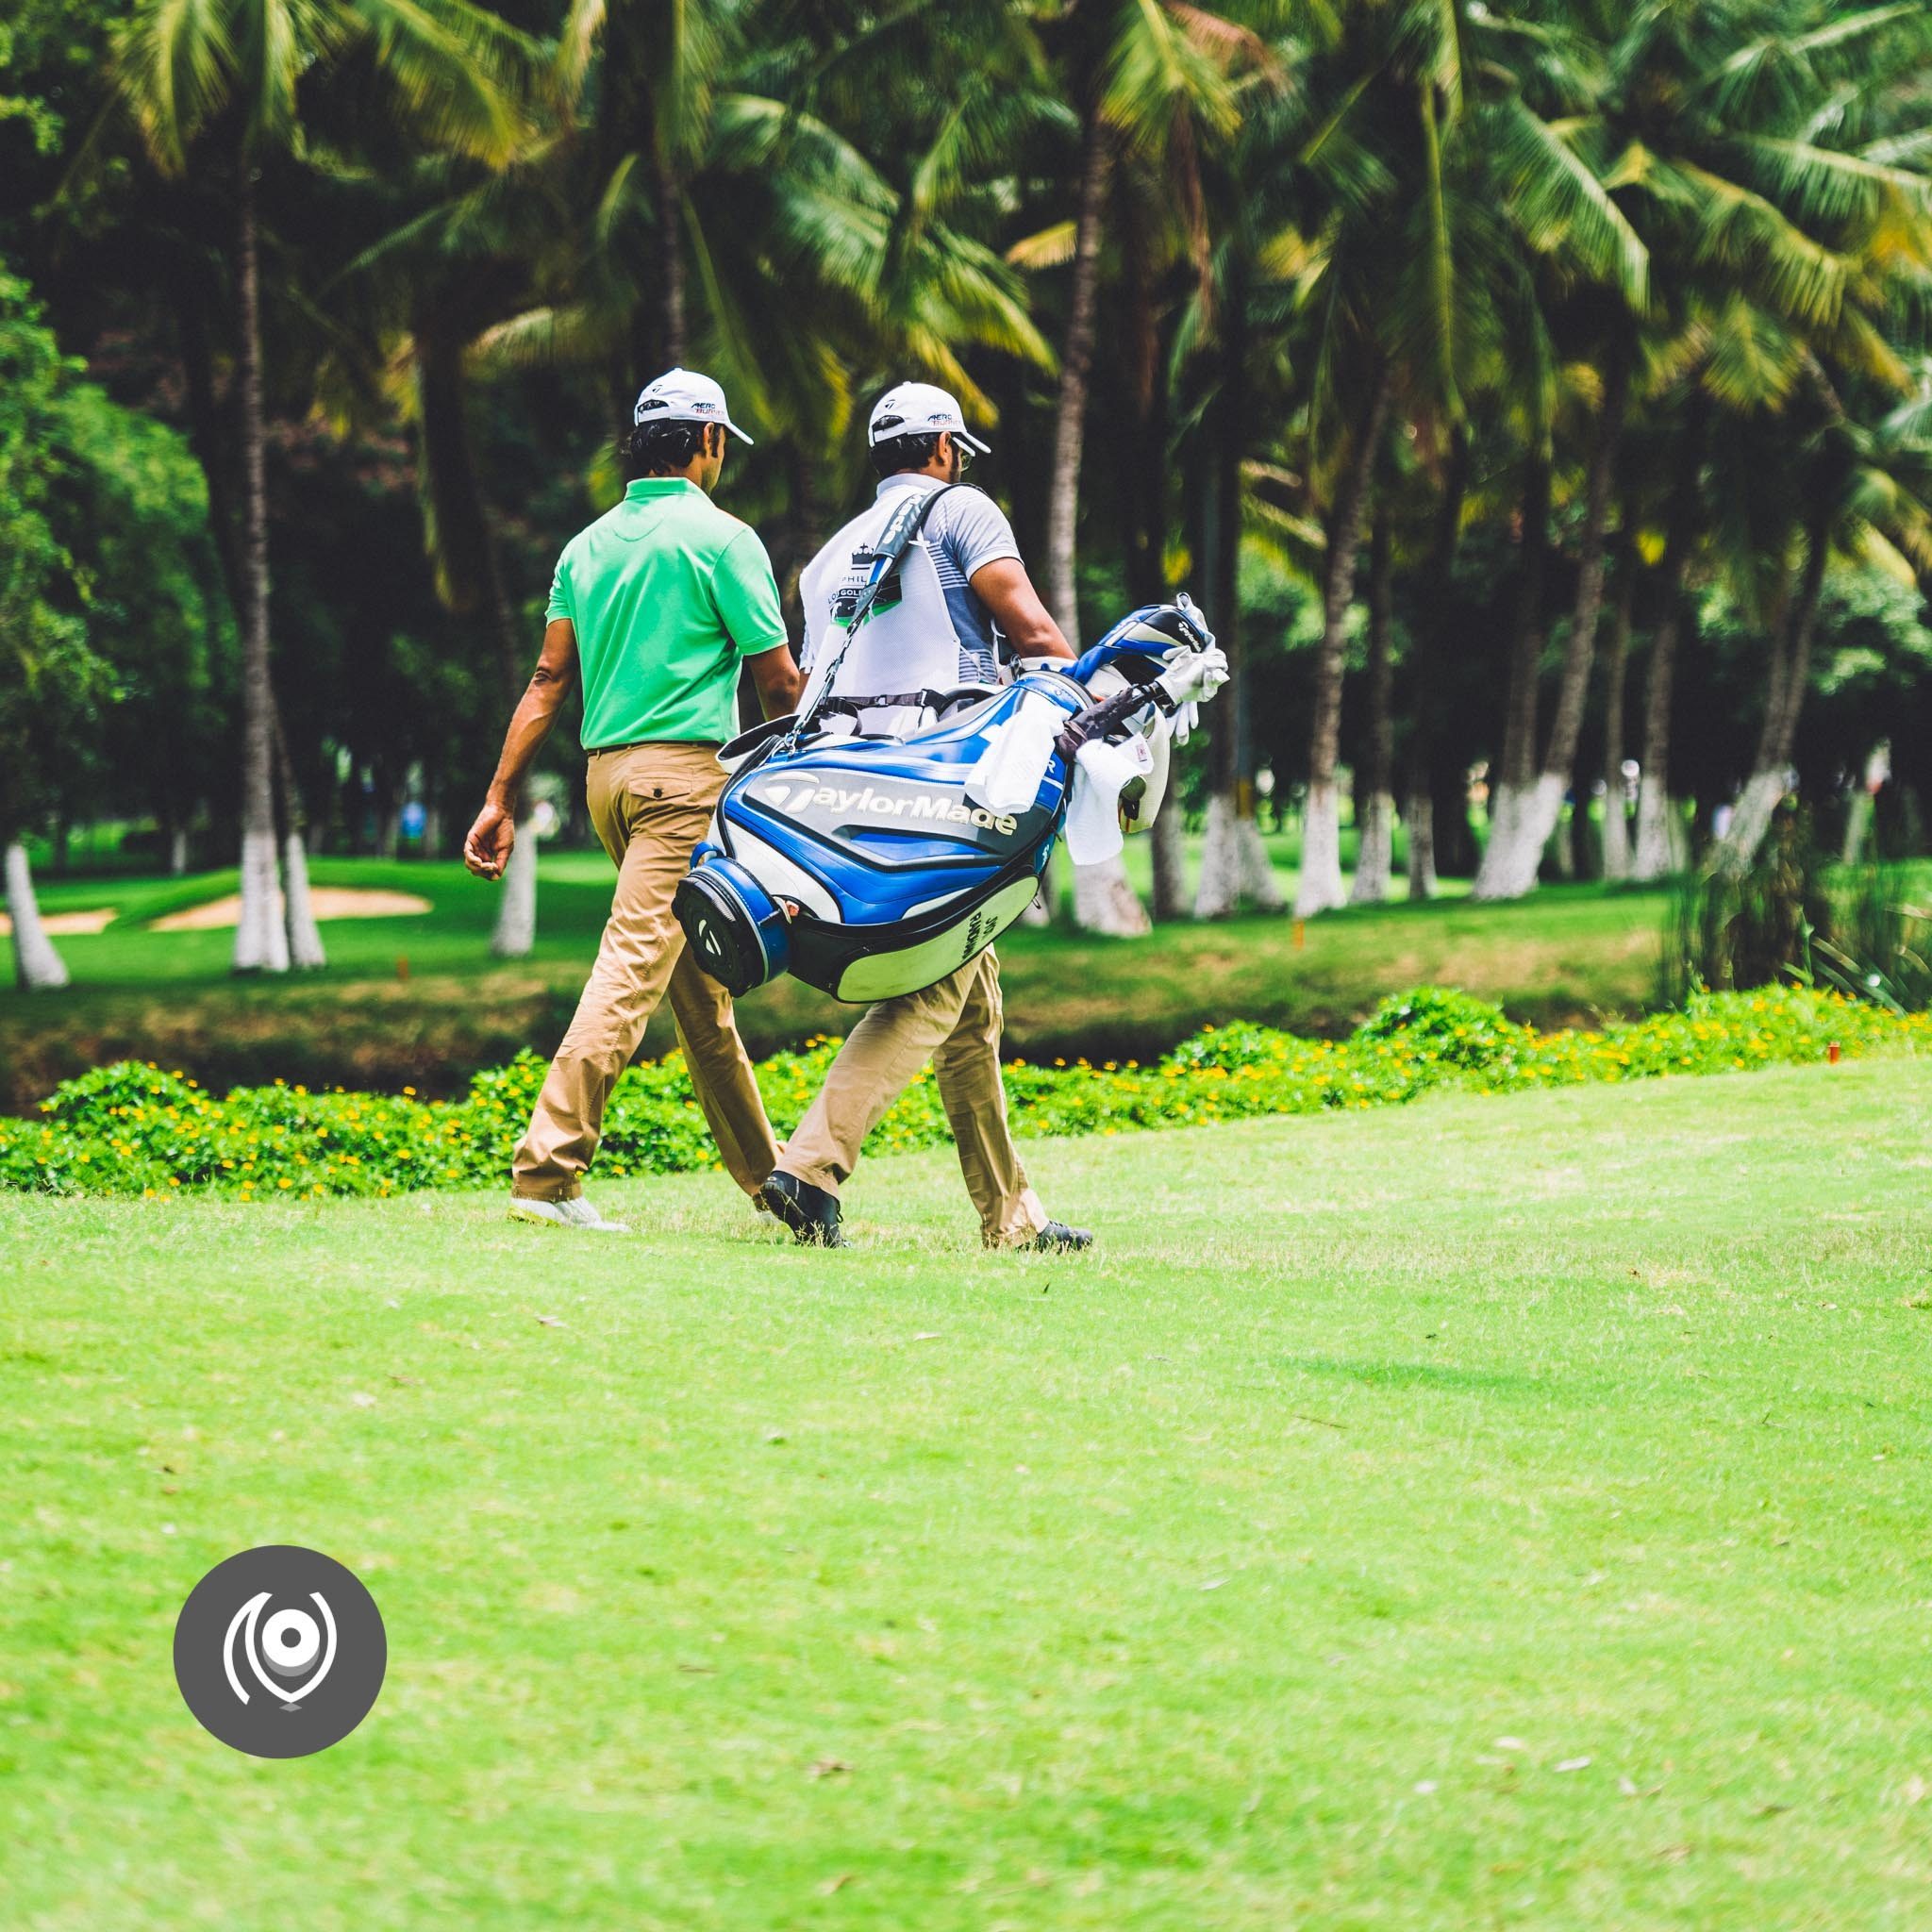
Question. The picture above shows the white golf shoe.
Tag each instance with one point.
(573, 1214)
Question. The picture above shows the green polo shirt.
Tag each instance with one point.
(667, 593)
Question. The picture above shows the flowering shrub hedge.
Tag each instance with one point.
(130, 1128)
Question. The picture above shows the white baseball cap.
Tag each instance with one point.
(919, 408)
(682, 395)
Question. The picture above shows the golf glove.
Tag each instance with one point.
(1194, 674)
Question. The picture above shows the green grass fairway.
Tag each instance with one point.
(1503, 1512)
(1563, 956)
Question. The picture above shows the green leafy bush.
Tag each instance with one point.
(133, 1129)
(1451, 1026)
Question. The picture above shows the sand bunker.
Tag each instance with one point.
(61, 925)
(328, 902)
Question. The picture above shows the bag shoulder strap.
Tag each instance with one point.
(884, 563)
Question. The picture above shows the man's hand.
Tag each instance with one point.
(486, 850)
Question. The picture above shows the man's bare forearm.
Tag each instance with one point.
(775, 673)
(1006, 589)
(536, 713)
(529, 725)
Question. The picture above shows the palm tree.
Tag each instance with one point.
(1146, 86)
(1616, 862)
(222, 83)
(459, 262)
(1530, 805)
(1427, 651)
(1861, 492)
(1743, 140)
(468, 568)
(1319, 888)
(1683, 450)
(1376, 813)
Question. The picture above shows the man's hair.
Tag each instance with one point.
(661, 449)
(904, 452)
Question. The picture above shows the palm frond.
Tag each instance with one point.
(1048, 247)
(1561, 203)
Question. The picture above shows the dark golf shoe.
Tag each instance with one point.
(809, 1212)
(1057, 1238)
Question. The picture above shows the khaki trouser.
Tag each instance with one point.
(650, 804)
(956, 1026)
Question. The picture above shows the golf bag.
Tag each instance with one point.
(874, 866)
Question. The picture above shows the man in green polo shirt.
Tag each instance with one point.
(654, 609)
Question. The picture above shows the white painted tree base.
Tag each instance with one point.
(516, 917)
(1259, 887)
(1320, 889)
(1422, 848)
(1218, 892)
(1652, 857)
(1104, 902)
(1169, 864)
(1750, 821)
(36, 964)
(1235, 866)
(261, 941)
(1857, 824)
(1371, 863)
(1616, 841)
(1523, 823)
(305, 939)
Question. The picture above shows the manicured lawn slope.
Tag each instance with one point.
(1268, 1568)
(1565, 956)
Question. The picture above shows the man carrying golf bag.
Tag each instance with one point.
(655, 608)
(962, 610)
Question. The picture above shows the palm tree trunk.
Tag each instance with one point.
(1377, 811)
(261, 943)
(1516, 766)
(1233, 858)
(1103, 900)
(1170, 849)
(669, 261)
(1616, 668)
(1791, 670)
(304, 937)
(36, 967)
(1658, 827)
(1147, 539)
(1077, 367)
(1429, 653)
(205, 425)
(1509, 866)
(469, 580)
(1654, 856)
(1321, 878)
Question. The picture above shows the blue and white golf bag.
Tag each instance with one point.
(870, 866)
